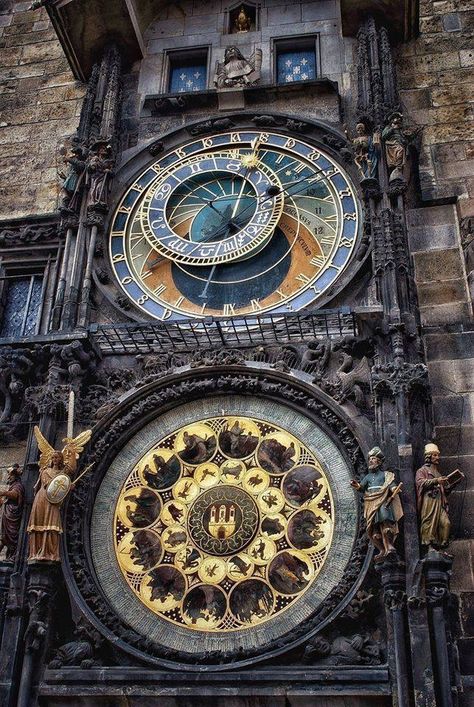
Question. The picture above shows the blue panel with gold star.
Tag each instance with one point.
(185, 79)
(296, 66)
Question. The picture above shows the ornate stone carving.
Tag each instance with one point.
(366, 145)
(79, 652)
(359, 649)
(392, 378)
(16, 371)
(236, 71)
(99, 170)
(208, 126)
(27, 234)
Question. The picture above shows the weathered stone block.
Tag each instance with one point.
(449, 346)
(416, 99)
(33, 53)
(451, 22)
(466, 655)
(451, 313)
(201, 24)
(451, 375)
(284, 14)
(466, 57)
(467, 613)
(438, 265)
(449, 95)
(430, 24)
(322, 10)
(462, 577)
(454, 409)
(442, 292)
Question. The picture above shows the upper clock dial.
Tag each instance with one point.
(235, 223)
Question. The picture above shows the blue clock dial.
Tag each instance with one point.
(236, 223)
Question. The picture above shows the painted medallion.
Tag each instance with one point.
(224, 524)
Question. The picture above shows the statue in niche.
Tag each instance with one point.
(432, 490)
(382, 506)
(365, 148)
(12, 500)
(54, 483)
(396, 142)
(242, 21)
(236, 70)
(99, 171)
(74, 176)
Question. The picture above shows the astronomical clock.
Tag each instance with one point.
(232, 224)
(222, 525)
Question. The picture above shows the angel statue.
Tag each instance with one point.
(54, 483)
(236, 70)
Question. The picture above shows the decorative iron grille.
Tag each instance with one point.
(251, 330)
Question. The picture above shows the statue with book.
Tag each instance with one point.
(432, 490)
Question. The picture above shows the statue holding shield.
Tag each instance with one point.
(54, 483)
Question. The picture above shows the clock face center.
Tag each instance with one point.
(223, 520)
(224, 215)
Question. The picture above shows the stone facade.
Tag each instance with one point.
(39, 108)
(400, 328)
(436, 79)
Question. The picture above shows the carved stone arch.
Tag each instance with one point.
(138, 408)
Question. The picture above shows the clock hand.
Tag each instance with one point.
(203, 294)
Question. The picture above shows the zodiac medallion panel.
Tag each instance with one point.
(223, 524)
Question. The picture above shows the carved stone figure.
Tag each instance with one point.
(343, 650)
(236, 70)
(44, 526)
(432, 489)
(395, 142)
(99, 170)
(382, 506)
(73, 179)
(365, 151)
(12, 500)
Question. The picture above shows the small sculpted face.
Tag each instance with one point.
(374, 463)
(57, 460)
(435, 458)
(360, 129)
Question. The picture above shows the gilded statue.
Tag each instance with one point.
(236, 70)
(365, 148)
(12, 500)
(56, 471)
(382, 506)
(242, 21)
(432, 489)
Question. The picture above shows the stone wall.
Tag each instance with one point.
(436, 81)
(39, 107)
